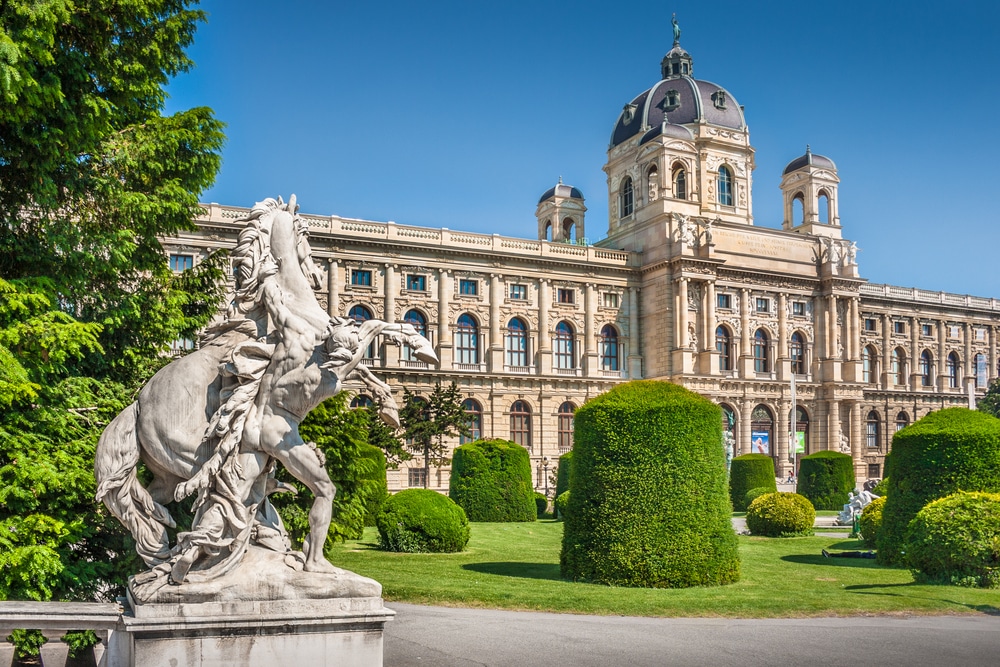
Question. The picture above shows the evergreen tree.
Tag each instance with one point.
(428, 421)
(990, 403)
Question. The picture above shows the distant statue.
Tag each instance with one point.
(216, 422)
(677, 30)
(833, 251)
(729, 443)
(855, 504)
(852, 254)
(653, 189)
(685, 230)
(692, 336)
(708, 232)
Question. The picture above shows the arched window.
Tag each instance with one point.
(419, 322)
(954, 367)
(761, 353)
(725, 186)
(626, 198)
(902, 421)
(361, 314)
(897, 366)
(562, 346)
(761, 429)
(565, 426)
(982, 374)
(872, 430)
(609, 348)
(569, 229)
(473, 420)
(520, 424)
(926, 365)
(548, 230)
(467, 340)
(823, 206)
(516, 343)
(869, 359)
(798, 209)
(680, 182)
(361, 401)
(797, 351)
(652, 183)
(724, 345)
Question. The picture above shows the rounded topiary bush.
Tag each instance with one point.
(421, 520)
(951, 450)
(870, 521)
(562, 473)
(956, 540)
(750, 471)
(561, 503)
(491, 481)
(781, 515)
(825, 478)
(648, 503)
(541, 504)
(754, 494)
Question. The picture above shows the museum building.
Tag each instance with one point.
(683, 288)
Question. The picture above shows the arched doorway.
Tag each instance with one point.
(762, 430)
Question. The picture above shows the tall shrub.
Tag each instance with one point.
(956, 540)
(562, 474)
(648, 504)
(825, 478)
(750, 471)
(491, 481)
(951, 450)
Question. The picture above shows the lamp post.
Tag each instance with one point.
(545, 469)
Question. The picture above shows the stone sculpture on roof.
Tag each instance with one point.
(216, 422)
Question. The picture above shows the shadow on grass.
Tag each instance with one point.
(521, 570)
(876, 589)
(819, 559)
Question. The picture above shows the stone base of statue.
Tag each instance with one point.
(261, 613)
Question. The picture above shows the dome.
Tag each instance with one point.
(809, 158)
(681, 100)
(561, 190)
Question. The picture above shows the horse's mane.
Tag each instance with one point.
(253, 246)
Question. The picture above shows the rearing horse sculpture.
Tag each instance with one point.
(215, 421)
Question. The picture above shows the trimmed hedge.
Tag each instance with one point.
(561, 503)
(956, 540)
(781, 515)
(541, 504)
(754, 494)
(380, 490)
(750, 471)
(422, 520)
(825, 478)
(648, 504)
(881, 488)
(562, 473)
(870, 521)
(951, 450)
(491, 481)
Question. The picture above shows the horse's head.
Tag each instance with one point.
(304, 252)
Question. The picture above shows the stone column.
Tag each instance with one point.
(858, 444)
(886, 351)
(681, 356)
(854, 337)
(914, 353)
(782, 435)
(992, 370)
(634, 347)
(332, 286)
(544, 335)
(444, 326)
(834, 428)
(831, 327)
(392, 352)
(941, 367)
(591, 363)
(783, 364)
(495, 353)
(970, 368)
(746, 352)
(707, 363)
(746, 409)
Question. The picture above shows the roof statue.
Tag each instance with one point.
(216, 422)
(677, 30)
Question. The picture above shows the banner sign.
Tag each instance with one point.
(761, 442)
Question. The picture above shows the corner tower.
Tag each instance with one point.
(809, 189)
(560, 214)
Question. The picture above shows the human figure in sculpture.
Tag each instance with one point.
(677, 29)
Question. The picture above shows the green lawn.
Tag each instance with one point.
(516, 566)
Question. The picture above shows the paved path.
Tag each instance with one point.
(449, 637)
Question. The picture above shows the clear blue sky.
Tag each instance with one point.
(460, 114)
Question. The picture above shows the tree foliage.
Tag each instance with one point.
(428, 421)
(990, 402)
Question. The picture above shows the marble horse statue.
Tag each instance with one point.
(216, 422)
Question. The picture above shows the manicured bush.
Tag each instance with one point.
(491, 481)
(421, 520)
(378, 490)
(956, 540)
(781, 515)
(562, 473)
(753, 494)
(750, 471)
(648, 502)
(826, 478)
(541, 504)
(951, 450)
(561, 503)
(870, 521)
(881, 488)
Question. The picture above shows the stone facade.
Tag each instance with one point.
(683, 288)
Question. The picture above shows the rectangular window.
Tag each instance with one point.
(565, 295)
(763, 305)
(799, 308)
(610, 300)
(871, 324)
(417, 477)
(519, 292)
(926, 330)
(181, 262)
(416, 283)
(954, 331)
(361, 277)
(724, 301)
(899, 327)
(467, 286)
(874, 470)
(980, 334)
